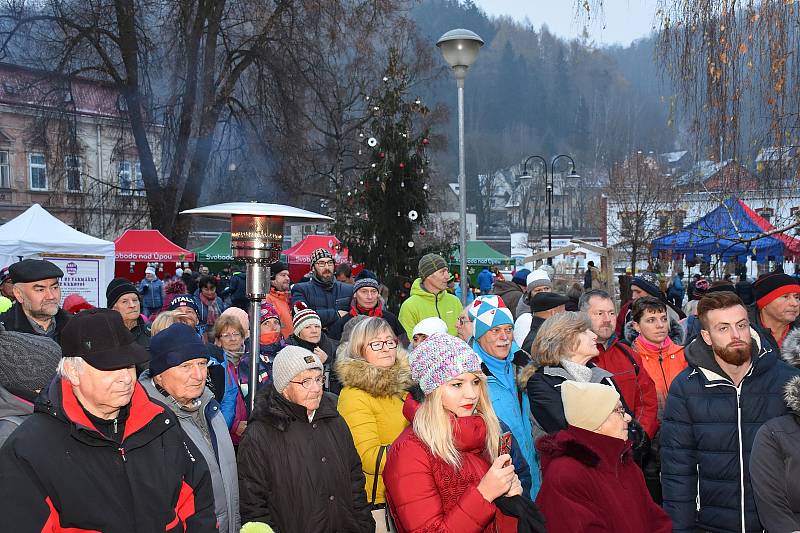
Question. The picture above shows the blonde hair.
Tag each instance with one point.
(433, 427)
(364, 332)
(228, 321)
(166, 319)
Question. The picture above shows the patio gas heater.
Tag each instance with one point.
(257, 239)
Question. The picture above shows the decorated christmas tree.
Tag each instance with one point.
(381, 212)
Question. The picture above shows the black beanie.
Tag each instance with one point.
(770, 286)
(118, 288)
(276, 268)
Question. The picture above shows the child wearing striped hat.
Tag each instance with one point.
(307, 333)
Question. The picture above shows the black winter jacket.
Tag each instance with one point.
(708, 430)
(56, 469)
(775, 467)
(326, 300)
(300, 476)
(15, 320)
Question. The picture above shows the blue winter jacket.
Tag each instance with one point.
(513, 408)
(326, 300)
(707, 432)
(152, 293)
(485, 281)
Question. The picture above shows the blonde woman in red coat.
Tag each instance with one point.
(445, 471)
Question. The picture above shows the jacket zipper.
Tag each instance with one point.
(122, 454)
(663, 374)
(739, 438)
(436, 304)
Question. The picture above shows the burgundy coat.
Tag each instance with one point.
(591, 484)
(427, 495)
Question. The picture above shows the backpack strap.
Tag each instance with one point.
(626, 350)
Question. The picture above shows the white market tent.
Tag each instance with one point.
(87, 262)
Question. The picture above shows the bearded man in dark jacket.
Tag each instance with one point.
(715, 407)
(97, 454)
(322, 293)
(299, 471)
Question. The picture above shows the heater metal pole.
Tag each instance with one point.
(257, 287)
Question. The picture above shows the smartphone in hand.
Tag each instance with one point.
(505, 445)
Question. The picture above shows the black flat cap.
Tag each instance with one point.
(544, 301)
(34, 270)
(100, 337)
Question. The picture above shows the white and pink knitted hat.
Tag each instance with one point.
(440, 358)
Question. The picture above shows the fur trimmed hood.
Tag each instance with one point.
(791, 395)
(791, 348)
(379, 382)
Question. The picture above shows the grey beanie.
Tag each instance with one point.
(289, 362)
(27, 362)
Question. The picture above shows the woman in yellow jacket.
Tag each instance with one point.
(374, 372)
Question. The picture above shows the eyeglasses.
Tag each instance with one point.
(323, 262)
(462, 321)
(230, 336)
(306, 383)
(620, 411)
(377, 346)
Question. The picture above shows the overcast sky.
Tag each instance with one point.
(623, 20)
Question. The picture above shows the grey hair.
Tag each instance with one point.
(76, 362)
(557, 337)
(584, 300)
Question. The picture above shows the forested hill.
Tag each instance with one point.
(531, 92)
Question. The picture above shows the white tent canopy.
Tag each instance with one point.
(87, 262)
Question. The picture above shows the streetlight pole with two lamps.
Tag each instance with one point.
(460, 49)
(549, 178)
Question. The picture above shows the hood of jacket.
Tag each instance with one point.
(790, 351)
(699, 355)
(587, 447)
(791, 395)
(11, 405)
(502, 288)
(676, 332)
(377, 381)
(275, 410)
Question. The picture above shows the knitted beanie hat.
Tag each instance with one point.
(150, 270)
(366, 282)
(303, 316)
(538, 278)
(276, 268)
(241, 315)
(290, 361)
(75, 303)
(648, 282)
(320, 253)
(770, 286)
(268, 311)
(440, 358)
(429, 264)
(117, 288)
(490, 312)
(27, 362)
(587, 405)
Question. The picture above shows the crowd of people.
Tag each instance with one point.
(525, 410)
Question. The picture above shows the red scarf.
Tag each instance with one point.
(213, 310)
(356, 310)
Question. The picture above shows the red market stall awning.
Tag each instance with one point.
(298, 257)
(149, 246)
(791, 244)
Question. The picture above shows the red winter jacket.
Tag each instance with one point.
(427, 495)
(633, 382)
(591, 485)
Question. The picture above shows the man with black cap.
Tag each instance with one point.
(98, 454)
(37, 291)
(279, 295)
(322, 293)
(544, 305)
(775, 313)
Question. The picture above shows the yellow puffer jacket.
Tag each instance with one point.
(371, 403)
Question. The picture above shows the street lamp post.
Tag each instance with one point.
(549, 179)
(460, 49)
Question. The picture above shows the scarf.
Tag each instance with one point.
(213, 309)
(269, 337)
(356, 310)
(652, 346)
(304, 343)
(581, 373)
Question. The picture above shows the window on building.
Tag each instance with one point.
(37, 168)
(664, 221)
(679, 219)
(125, 177)
(138, 182)
(5, 171)
(72, 172)
(795, 214)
